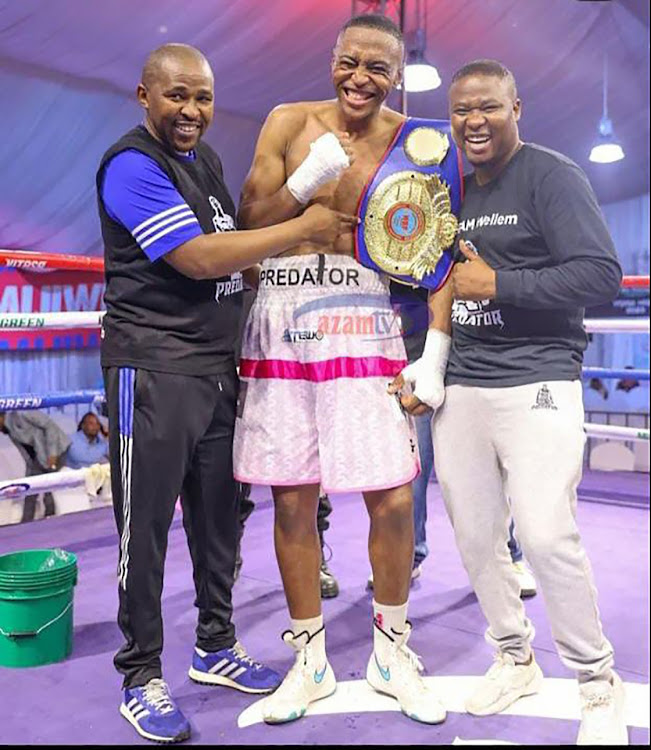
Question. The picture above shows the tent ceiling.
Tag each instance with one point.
(268, 51)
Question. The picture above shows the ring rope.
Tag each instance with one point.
(22, 321)
(27, 260)
(23, 260)
(92, 319)
(605, 372)
(26, 401)
(12, 489)
(615, 432)
(638, 282)
(616, 325)
(16, 488)
(96, 397)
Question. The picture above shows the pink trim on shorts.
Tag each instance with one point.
(299, 482)
(268, 482)
(318, 372)
(372, 488)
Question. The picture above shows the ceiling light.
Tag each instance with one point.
(606, 148)
(419, 74)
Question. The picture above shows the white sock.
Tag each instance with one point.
(314, 627)
(392, 619)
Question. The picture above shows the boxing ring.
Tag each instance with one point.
(448, 626)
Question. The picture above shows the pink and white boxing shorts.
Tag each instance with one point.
(320, 346)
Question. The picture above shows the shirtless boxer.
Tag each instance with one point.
(314, 407)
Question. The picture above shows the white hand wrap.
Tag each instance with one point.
(325, 162)
(427, 374)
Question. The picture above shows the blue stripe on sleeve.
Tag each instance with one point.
(140, 196)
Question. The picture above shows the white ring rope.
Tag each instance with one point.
(616, 325)
(616, 432)
(92, 319)
(16, 488)
(19, 321)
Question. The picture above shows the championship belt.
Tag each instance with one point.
(408, 210)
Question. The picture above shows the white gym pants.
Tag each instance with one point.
(524, 443)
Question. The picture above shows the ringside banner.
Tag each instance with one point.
(54, 291)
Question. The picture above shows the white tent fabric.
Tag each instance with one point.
(68, 70)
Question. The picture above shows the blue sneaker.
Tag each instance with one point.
(152, 712)
(233, 667)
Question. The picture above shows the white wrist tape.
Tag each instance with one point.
(427, 374)
(325, 162)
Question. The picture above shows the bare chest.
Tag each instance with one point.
(344, 194)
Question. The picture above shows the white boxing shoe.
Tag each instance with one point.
(307, 681)
(398, 675)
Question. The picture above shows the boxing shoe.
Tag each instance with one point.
(397, 672)
(307, 681)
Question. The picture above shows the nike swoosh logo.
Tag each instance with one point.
(384, 671)
(318, 676)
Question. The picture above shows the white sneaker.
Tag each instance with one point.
(305, 683)
(503, 684)
(525, 578)
(400, 678)
(416, 572)
(602, 713)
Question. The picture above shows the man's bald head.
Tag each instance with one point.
(172, 54)
(177, 93)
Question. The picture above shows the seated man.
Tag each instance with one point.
(314, 408)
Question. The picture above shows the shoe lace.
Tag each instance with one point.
(325, 547)
(407, 654)
(595, 711)
(157, 695)
(294, 679)
(241, 653)
(597, 701)
(501, 662)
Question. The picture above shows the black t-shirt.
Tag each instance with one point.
(538, 224)
(157, 318)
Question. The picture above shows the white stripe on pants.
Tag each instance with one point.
(525, 443)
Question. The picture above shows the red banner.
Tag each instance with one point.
(52, 291)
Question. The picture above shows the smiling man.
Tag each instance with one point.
(535, 251)
(173, 299)
(315, 410)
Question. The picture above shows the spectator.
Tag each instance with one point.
(89, 444)
(597, 384)
(627, 384)
(41, 442)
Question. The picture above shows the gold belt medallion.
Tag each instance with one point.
(409, 223)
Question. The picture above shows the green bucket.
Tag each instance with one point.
(36, 598)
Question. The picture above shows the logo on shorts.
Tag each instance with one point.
(294, 335)
(544, 399)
